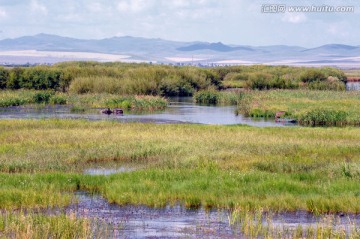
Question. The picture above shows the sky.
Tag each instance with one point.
(239, 22)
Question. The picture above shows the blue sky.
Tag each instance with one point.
(229, 21)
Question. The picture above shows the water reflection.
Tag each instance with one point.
(143, 222)
(177, 222)
(107, 171)
(352, 86)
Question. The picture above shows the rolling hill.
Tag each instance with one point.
(45, 48)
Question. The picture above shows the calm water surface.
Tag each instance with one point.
(180, 110)
(352, 86)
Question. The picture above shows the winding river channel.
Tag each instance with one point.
(179, 110)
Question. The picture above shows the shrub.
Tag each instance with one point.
(260, 81)
(330, 84)
(12, 102)
(146, 79)
(4, 75)
(42, 97)
(312, 75)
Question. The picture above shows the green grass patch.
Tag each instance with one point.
(314, 169)
(312, 108)
(216, 188)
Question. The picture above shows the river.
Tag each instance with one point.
(180, 110)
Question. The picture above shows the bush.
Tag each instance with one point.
(42, 97)
(313, 75)
(259, 81)
(12, 102)
(145, 79)
(4, 75)
(336, 85)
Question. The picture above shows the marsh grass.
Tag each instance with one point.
(215, 97)
(308, 107)
(37, 226)
(81, 102)
(257, 224)
(195, 188)
(313, 169)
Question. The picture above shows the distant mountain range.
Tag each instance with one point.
(45, 48)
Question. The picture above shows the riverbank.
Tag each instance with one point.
(81, 102)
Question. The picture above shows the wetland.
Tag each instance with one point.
(172, 168)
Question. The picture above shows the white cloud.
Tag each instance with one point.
(3, 13)
(338, 30)
(294, 17)
(199, 14)
(229, 21)
(38, 7)
(96, 7)
(133, 6)
(179, 3)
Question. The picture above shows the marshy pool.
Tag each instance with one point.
(178, 222)
(179, 110)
